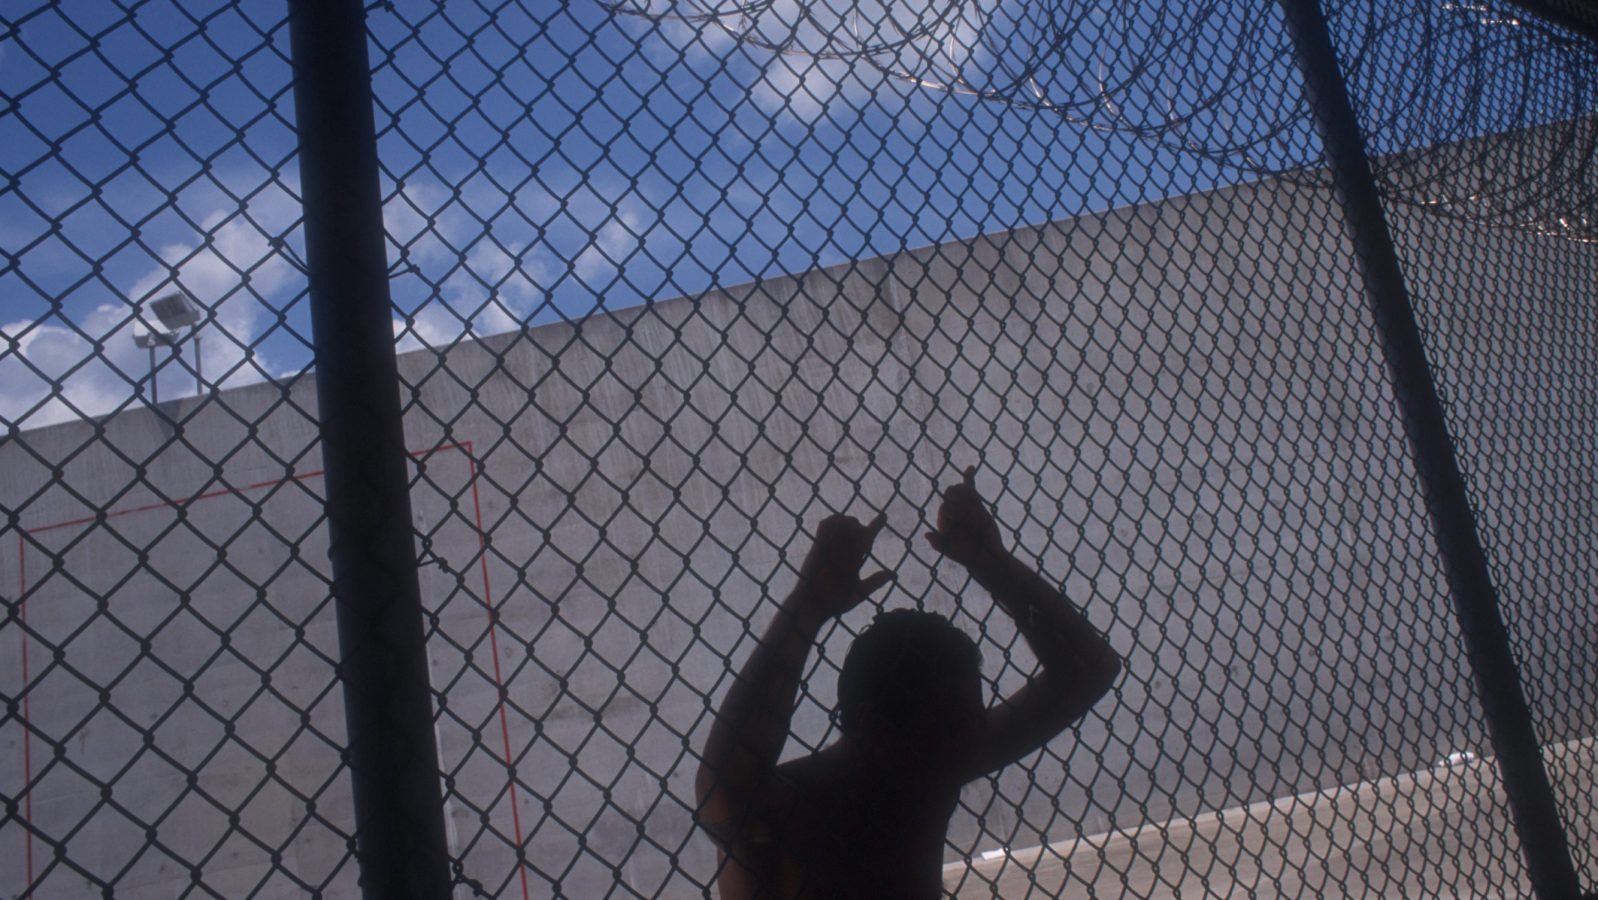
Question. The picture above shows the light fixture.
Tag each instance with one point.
(175, 311)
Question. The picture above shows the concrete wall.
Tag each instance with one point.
(1513, 326)
(1178, 408)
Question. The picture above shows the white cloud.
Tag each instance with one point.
(497, 287)
(434, 326)
(459, 276)
(417, 223)
(495, 318)
(612, 244)
(790, 85)
(492, 289)
(611, 224)
(232, 276)
(796, 87)
(54, 370)
(838, 53)
(667, 41)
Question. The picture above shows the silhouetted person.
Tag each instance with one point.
(866, 815)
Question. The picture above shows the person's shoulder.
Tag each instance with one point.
(803, 771)
(782, 807)
(816, 783)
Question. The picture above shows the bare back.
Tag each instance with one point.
(833, 830)
(866, 817)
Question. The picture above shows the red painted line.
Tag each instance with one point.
(499, 684)
(493, 640)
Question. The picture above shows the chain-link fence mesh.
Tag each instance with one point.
(172, 719)
(672, 282)
(1499, 281)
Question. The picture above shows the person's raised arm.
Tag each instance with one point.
(752, 725)
(1077, 666)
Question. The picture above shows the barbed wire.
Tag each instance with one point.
(1168, 377)
(1214, 79)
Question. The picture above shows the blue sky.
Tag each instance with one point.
(545, 160)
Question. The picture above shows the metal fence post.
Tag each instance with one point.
(1514, 738)
(393, 757)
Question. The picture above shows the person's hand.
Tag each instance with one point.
(967, 532)
(830, 578)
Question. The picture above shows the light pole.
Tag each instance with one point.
(175, 311)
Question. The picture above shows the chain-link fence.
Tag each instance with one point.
(673, 280)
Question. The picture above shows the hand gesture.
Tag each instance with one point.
(966, 531)
(830, 576)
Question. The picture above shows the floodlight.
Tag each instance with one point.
(175, 311)
(149, 340)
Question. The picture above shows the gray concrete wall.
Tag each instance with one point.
(1177, 407)
(1513, 326)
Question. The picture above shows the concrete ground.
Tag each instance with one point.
(1441, 832)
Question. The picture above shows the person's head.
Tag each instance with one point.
(911, 684)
